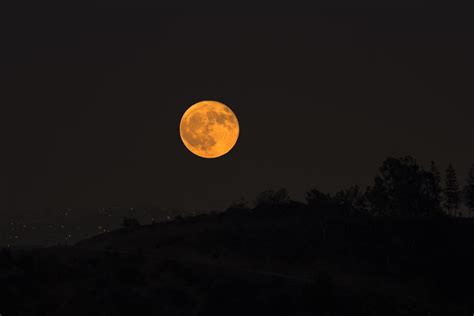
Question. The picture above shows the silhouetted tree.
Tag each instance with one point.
(272, 198)
(403, 188)
(469, 190)
(434, 186)
(319, 200)
(451, 190)
(351, 199)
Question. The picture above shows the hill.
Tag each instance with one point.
(285, 259)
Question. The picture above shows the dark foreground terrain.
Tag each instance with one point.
(280, 260)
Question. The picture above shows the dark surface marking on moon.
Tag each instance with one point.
(215, 117)
(227, 120)
(193, 132)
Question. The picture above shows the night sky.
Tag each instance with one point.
(91, 101)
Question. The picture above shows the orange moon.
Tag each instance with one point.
(209, 129)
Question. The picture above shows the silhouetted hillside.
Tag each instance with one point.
(280, 259)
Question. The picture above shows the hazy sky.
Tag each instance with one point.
(92, 101)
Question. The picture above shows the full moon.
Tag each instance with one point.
(209, 129)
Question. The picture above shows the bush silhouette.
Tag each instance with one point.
(319, 200)
(130, 223)
(270, 198)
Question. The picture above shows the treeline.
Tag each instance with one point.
(401, 188)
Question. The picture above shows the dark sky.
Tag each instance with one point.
(91, 101)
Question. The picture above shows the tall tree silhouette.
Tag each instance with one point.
(469, 190)
(434, 188)
(451, 190)
(402, 187)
